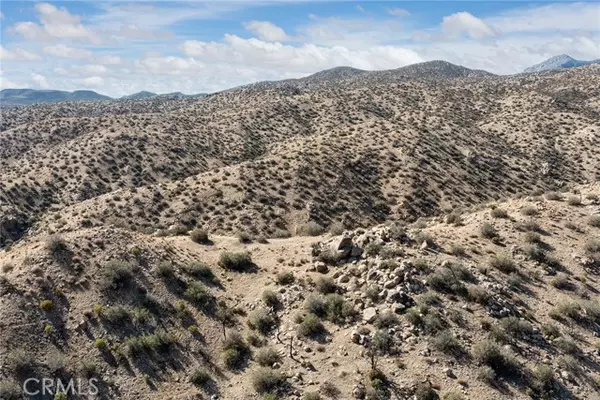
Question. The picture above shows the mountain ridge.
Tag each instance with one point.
(561, 61)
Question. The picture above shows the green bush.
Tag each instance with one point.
(266, 380)
(261, 321)
(46, 305)
(200, 377)
(271, 299)
(235, 351)
(489, 353)
(504, 264)
(165, 269)
(200, 271)
(236, 261)
(447, 343)
(311, 326)
(594, 221)
(197, 293)
(285, 278)
(199, 236)
(488, 231)
(117, 275)
(543, 377)
(498, 213)
(310, 228)
(325, 285)
(267, 357)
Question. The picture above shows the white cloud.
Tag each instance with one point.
(551, 17)
(109, 60)
(90, 69)
(359, 8)
(92, 82)
(304, 59)
(55, 23)
(461, 23)
(398, 12)
(17, 55)
(40, 81)
(266, 30)
(61, 50)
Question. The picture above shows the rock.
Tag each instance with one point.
(359, 392)
(398, 308)
(449, 373)
(321, 267)
(356, 251)
(369, 314)
(355, 337)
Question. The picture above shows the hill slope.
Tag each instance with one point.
(19, 97)
(558, 62)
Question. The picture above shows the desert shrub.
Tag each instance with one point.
(10, 390)
(515, 326)
(498, 213)
(534, 253)
(116, 315)
(200, 271)
(337, 309)
(325, 285)
(566, 310)
(117, 275)
(421, 237)
(311, 325)
(424, 391)
(46, 305)
(101, 343)
(387, 319)
(261, 321)
(478, 294)
(486, 374)
(592, 310)
(159, 341)
(236, 261)
(543, 377)
(266, 380)
(488, 231)
(199, 236)
(454, 219)
(285, 278)
(532, 237)
(57, 246)
(594, 221)
(554, 196)
(566, 345)
(337, 228)
(330, 390)
(197, 293)
(569, 363)
(387, 252)
(561, 281)
(503, 263)
(88, 368)
(315, 305)
(244, 237)
(311, 396)
(444, 281)
(329, 257)
(271, 299)
(457, 250)
(592, 246)
(447, 343)
(165, 269)
(433, 322)
(267, 357)
(382, 342)
(551, 331)
(310, 228)
(235, 351)
(574, 200)
(529, 211)
(280, 234)
(200, 377)
(489, 353)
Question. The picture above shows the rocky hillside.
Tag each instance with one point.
(270, 159)
(493, 303)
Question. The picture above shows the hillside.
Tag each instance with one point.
(559, 62)
(495, 302)
(19, 97)
(425, 232)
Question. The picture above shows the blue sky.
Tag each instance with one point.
(118, 48)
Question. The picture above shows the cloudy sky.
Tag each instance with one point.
(118, 48)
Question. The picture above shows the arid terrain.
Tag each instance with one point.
(426, 232)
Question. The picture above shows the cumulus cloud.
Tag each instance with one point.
(108, 60)
(464, 23)
(40, 81)
(55, 23)
(17, 55)
(266, 30)
(61, 50)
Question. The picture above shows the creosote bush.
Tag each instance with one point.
(236, 261)
(261, 321)
(267, 357)
(266, 380)
(199, 236)
(503, 263)
(310, 326)
(235, 351)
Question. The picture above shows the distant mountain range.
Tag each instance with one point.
(562, 61)
(22, 97)
(427, 70)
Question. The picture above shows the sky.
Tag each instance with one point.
(118, 48)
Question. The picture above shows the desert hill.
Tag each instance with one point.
(494, 303)
(357, 151)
